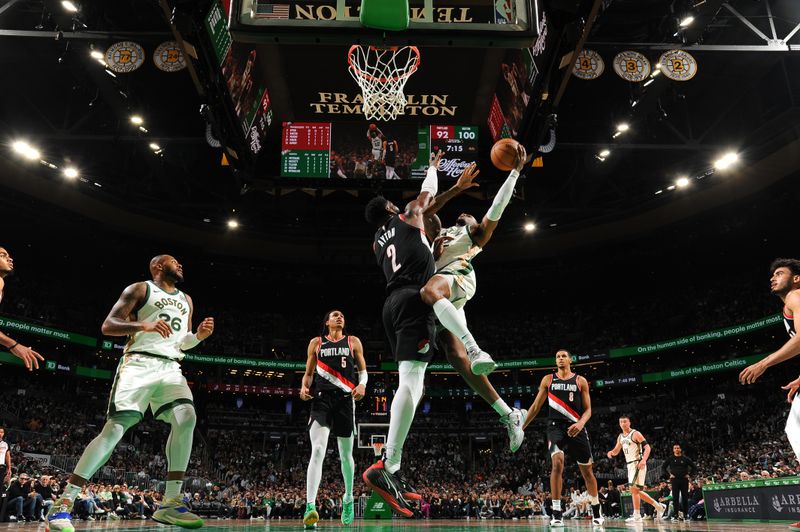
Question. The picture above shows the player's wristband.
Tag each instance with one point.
(13, 346)
(189, 341)
(363, 376)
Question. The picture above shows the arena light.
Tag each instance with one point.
(529, 227)
(726, 161)
(233, 223)
(137, 120)
(26, 150)
(96, 54)
(154, 146)
(70, 172)
(69, 6)
(682, 182)
(648, 82)
(686, 21)
(623, 127)
(605, 153)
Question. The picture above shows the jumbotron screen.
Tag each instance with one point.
(373, 151)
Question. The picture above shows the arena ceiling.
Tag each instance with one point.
(744, 99)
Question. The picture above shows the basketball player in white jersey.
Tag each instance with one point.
(334, 361)
(636, 451)
(455, 283)
(30, 357)
(157, 319)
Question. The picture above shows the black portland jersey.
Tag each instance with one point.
(336, 365)
(788, 321)
(390, 154)
(403, 252)
(564, 399)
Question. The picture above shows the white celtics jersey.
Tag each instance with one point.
(631, 449)
(172, 308)
(377, 143)
(457, 258)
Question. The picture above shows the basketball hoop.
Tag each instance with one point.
(382, 74)
(377, 447)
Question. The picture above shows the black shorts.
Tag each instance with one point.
(336, 410)
(410, 325)
(578, 447)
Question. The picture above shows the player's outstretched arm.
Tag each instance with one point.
(414, 213)
(538, 403)
(789, 350)
(615, 451)
(311, 366)
(575, 428)
(117, 322)
(361, 366)
(482, 233)
(465, 181)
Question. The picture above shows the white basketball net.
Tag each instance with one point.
(382, 74)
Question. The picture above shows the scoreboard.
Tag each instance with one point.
(460, 146)
(306, 149)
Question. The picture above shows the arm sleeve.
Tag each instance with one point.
(503, 196)
(431, 182)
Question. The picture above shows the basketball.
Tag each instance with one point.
(504, 154)
(373, 127)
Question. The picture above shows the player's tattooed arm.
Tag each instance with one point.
(118, 322)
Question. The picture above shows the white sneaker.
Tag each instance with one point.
(480, 362)
(556, 522)
(633, 519)
(513, 423)
(598, 521)
(660, 511)
(58, 517)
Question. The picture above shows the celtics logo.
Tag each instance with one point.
(169, 57)
(631, 66)
(588, 65)
(124, 56)
(678, 65)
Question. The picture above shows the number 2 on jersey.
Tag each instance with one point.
(391, 252)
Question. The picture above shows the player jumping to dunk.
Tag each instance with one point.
(334, 361)
(403, 252)
(157, 319)
(570, 407)
(455, 283)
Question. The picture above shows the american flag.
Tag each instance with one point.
(268, 10)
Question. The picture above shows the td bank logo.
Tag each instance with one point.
(50, 365)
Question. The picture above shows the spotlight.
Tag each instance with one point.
(110, 73)
(605, 153)
(726, 161)
(137, 120)
(529, 227)
(233, 224)
(96, 54)
(648, 82)
(26, 150)
(656, 72)
(623, 127)
(682, 182)
(69, 6)
(70, 172)
(686, 21)
(154, 146)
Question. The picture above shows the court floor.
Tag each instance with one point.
(437, 526)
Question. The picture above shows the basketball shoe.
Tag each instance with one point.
(175, 512)
(347, 512)
(58, 517)
(480, 362)
(311, 516)
(513, 422)
(388, 487)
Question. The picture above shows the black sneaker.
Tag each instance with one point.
(406, 489)
(386, 485)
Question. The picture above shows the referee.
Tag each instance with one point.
(679, 468)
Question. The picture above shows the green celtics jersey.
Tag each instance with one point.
(174, 309)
